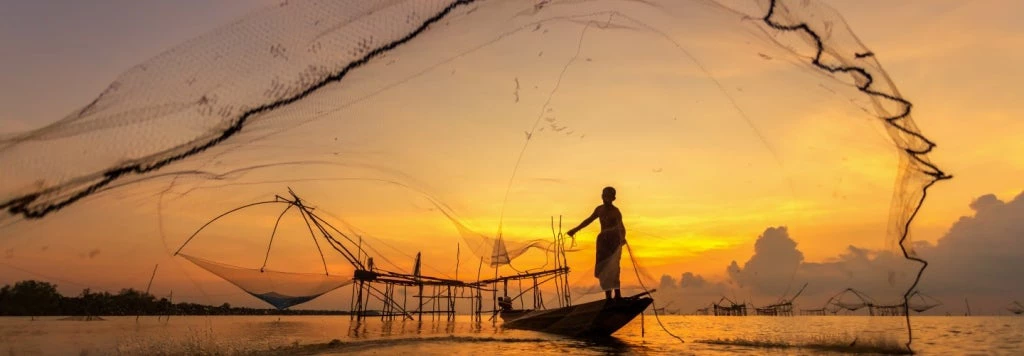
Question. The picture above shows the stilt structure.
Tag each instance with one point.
(389, 294)
(784, 307)
(813, 312)
(437, 298)
(851, 300)
(732, 309)
(888, 310)
(664, 311)
(919, 302)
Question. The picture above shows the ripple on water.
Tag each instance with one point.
(338, 334)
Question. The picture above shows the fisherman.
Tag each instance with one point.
(609, 242)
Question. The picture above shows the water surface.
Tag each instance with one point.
(314, 335)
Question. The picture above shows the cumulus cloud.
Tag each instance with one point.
(774, 264)
(978, 258)
(884, 275)
(667, 282)
(687, 280)
(981, 255)
(690, 280)
(691, 291)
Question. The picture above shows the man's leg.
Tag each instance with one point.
(608, 294)
(618, 294)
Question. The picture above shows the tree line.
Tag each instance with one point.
(36, 298)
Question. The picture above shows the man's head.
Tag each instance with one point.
(608, 194)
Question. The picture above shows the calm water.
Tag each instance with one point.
(312, 335)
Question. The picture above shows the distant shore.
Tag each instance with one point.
(36, 298)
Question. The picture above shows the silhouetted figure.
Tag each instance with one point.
(609, 242)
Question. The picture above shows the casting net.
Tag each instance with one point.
(757, 146)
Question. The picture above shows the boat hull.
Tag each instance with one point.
(595, 319)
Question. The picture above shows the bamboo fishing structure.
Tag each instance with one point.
(919, 302)
(813, 312)
(849, 299)
(438, 298)
(414, 295)
(732, 309)
(784, 307)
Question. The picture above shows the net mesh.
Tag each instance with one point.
(761, 126)
(280, 289)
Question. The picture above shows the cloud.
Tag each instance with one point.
(777, 270)
(981, 255)
(978, 258)
(667, 282)
(690, 280)
(884, 275)
(692, 291)
(773, 266)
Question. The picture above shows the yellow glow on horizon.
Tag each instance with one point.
(698, 181)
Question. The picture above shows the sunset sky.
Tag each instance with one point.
(955, 60)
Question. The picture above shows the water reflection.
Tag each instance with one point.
(373, 327)
(611, 345)
(344, 335)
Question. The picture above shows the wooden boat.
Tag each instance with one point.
(589, 320)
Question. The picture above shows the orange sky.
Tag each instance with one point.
(686, 172)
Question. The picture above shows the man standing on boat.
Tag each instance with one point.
(609, 242)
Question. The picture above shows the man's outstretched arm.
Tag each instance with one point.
(585, 222)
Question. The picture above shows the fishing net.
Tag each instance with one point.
(754, 146)
(280, 289)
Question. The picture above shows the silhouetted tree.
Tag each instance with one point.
(37, 298)
(30, 298)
